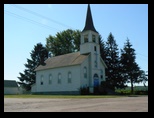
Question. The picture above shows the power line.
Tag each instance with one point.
(39, 15)
(136, 53)
(137, 57)
(29, 20)
(142, 55)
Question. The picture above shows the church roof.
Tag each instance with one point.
(62, 61)
(89, 21)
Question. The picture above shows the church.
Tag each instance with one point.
(68, 73)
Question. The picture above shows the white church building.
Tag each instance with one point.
(68, 73)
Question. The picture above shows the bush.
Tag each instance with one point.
(128, 92)
(84, 90)
(102, 91)
(141, 92)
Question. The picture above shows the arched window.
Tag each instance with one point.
(69, 77)
(94, 38)
(50, 79)
(101, 74)
(59, 78)
(85, 72)
(85, 38)
(95, 49)
(41, 82)
(95, 63)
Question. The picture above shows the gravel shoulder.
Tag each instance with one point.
(120, 104)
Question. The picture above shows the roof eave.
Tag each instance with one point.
(57, 67)
(103, 62)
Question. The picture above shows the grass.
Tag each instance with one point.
(137, 88)
(61, 96)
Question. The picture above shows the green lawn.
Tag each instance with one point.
(137, 88)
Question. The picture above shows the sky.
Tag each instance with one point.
(25, 25)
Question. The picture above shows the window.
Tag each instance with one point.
(101, 74)
(101, 71)
(50, 79)
(93, 38)
(69, 77)
(85, 38)
(59, 78)
(85, 72)
(95, 49)
(96, 64)
(41, 82)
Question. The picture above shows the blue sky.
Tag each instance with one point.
(25, 25)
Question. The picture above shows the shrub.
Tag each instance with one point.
(84, 90)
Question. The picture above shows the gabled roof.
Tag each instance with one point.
(89, 21)
(10, 83)
(62, 61)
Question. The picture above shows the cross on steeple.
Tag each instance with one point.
(89, 21)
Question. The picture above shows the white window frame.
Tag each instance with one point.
(86, 38)
(41, 82)
(50, 79)
(59, 78)
(85, 72)
(69, 77)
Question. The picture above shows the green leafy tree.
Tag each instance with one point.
(64, 42)
(38, 55)
(130, 69)
(114, 79)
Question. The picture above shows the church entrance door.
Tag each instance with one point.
(96, 84)
(96, 80)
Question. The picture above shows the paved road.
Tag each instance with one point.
(122, 104)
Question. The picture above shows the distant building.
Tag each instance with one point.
(11, 87)
(66, 74)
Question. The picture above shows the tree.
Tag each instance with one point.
(102, 48)
(130, 68)
(112, 60)
(64, 42)
(38, 55)
(143, 77)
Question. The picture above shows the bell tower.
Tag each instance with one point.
(90, 41)
(89, 35)
(90, 45)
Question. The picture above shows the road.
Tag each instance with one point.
(120, 104)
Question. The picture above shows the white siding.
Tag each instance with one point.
(90, 73)
(55, 86)
(85, 81)
(11, 90)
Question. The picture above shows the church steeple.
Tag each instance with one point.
(89, 36)
(89, 21)
(90, 45)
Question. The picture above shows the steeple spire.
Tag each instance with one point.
(89, 21)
